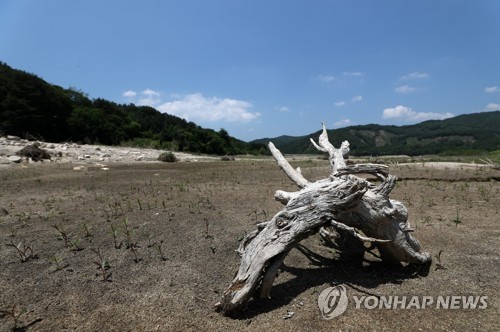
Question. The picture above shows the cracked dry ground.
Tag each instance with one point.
(177, 226)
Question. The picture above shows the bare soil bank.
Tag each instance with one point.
(184, 221)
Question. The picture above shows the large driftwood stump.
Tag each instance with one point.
(341, 205)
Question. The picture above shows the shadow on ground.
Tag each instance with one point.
(352, 270)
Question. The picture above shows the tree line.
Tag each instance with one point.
(34, 109)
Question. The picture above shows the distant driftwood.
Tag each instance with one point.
(337, 208)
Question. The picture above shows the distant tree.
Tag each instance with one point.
(216, 146)
(78, 97)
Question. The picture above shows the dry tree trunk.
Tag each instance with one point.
(343, 202)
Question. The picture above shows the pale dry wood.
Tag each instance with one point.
(343, 201)
(293, 174)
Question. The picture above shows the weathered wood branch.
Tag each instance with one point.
(353, 231)
(349, 204)
(293, 174)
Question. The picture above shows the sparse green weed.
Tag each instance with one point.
(25, 252)
(58, 261)
(88, 230)
(457, 219)
(160, 251)
(128, 233)
(102, 265)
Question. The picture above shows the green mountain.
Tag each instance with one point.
(463, 134)
(32, 108)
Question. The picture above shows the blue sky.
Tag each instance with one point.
(266, 68)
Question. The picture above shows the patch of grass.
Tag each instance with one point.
(182, 186)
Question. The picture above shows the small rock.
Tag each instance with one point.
(87, 156)
(79, 168)
(139, 158)
(105, 169)
(289, 314)
(13, 138)
(15, 159)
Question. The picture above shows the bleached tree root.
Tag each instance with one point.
(343, 201)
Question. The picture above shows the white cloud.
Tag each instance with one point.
(339, 103)
(342, 123)
(283, 109)
(405, 89)
(355, 99)
(150, 93)
(407, 114)
(196, 107)
(414, 76)
(492, 107)
(352, 73)
(491, 89)
(149, 98)
(327, 78)
(129, 94)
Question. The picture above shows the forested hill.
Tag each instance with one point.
(463, 134)
(32, 108)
